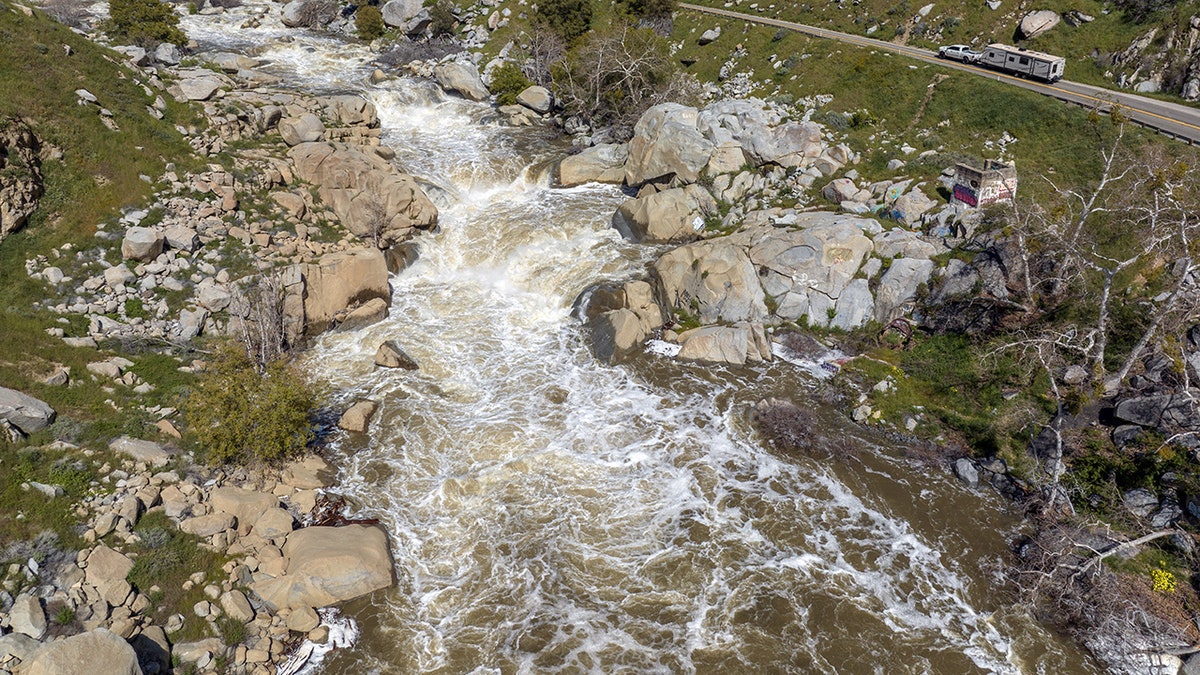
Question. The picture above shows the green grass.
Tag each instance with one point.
(100, 171)
(166, 558)
(959, 21)
(942, 381)
(28, 512)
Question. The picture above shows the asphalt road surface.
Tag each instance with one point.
(1177, 121)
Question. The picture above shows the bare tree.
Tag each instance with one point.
(544, 49)
(261, 306)
(377, 221)
(1141, 210)
(615, 74)
(1060, 573)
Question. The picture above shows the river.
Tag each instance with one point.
(551, 514)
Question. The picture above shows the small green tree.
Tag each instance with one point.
(507, 82)
(570, 19)
(368, 21)
(441, 19)
(144, 22)
(239, 413)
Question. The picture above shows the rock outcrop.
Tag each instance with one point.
(672, 141)
(20, 174)
(342, 281)
(371, 198)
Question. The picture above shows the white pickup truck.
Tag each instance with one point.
(959, 53)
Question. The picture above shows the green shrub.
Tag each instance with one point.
(650, 9)
(237, 413)
(64, 616)
(144, 22)
(507, 82)
(368, 21)
(441, 19)
(570, 19)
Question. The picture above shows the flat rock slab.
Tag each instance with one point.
(25, 412)
(199, 88)
(142, 451)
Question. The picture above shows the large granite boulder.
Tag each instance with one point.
(342, 280)
(358, 416)
(1037, 22)
(461, 78)
(247, 506)
(105, 565)
(662, 217)
(396, 13)
(304, 128)
(328, 565)
(536, 98)
(97, 651)
(27, 616)
(20, 174)
(26, 413)
(391, 355)
(899, 285)
(665, 144)
(371, 198)
(604, 163)
(1167, 412)
(714, 281)
(615, 333)
(737, 345)
(142, 243)
(620, 318)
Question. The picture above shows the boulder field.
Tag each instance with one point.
(706, 180)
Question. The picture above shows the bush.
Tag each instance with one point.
(237, 413)
(507, 82)
(368, 21)
(145, 22)
(441, 20)
(570, 19)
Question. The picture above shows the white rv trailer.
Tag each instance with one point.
(1023, 62)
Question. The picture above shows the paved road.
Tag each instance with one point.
(1172, 119)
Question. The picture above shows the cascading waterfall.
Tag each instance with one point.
(551, 514)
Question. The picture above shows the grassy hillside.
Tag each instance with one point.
(100, 172)
(1086, 47)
